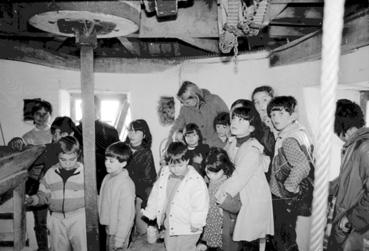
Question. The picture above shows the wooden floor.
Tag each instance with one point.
(141, 244)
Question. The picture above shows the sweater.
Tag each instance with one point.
(116, 205)
(38, 136)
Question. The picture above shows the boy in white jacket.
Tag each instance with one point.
(179, 200)
(117, 198)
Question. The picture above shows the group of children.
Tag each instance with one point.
(255, 189)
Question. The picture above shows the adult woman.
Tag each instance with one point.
(199, 106)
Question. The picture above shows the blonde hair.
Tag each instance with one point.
(192, 89)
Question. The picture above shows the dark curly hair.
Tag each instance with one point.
(217, 159)
(348, 114)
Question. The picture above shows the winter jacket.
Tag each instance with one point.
(292, 175)
(203, 117)
(62, 197)
(353, 181)
(189, 206)
(288, 169)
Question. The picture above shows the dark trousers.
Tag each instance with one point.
(285, 217)
(40, 216)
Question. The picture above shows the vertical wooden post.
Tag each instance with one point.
(19, 217)
(88, 130)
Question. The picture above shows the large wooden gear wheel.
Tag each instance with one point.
(66, 22)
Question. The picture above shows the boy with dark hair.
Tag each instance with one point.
(291, 175)
(61, 127)
(222, 127)
(62, 189)
(116, 202)
(179, 200)
(351, 188)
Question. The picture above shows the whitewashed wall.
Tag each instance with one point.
(22, 80)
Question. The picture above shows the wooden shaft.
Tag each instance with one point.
(88, 130)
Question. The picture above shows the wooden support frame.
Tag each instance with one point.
(13, 174)
(308, 48)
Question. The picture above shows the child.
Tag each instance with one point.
(219, 223)
(240, 103)
(255, 218)
(61, 127)
(222, 127)
(141, 167)
(116, 202)
(261, 97)
(62, 188)
(40, 134)
(196, 150)
(351, 188)
(291, 175)
(179, 200)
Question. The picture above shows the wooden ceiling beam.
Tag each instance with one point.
(211, 45)
(132, 47)
(295, 1)
(309, 12)
(198, 21)
(309, 22)
(17, 51)
(284, 31)
(308, 48)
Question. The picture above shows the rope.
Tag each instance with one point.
(332, 35)
(2, 134)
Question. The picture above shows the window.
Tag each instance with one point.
(112, 108)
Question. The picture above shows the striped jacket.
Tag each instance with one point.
(62, 197)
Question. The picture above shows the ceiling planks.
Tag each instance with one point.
(355, 35)
(198, 21)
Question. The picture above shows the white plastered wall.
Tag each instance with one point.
(23, 80)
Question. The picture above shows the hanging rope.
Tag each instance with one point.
(2, 134)
(332, 34)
